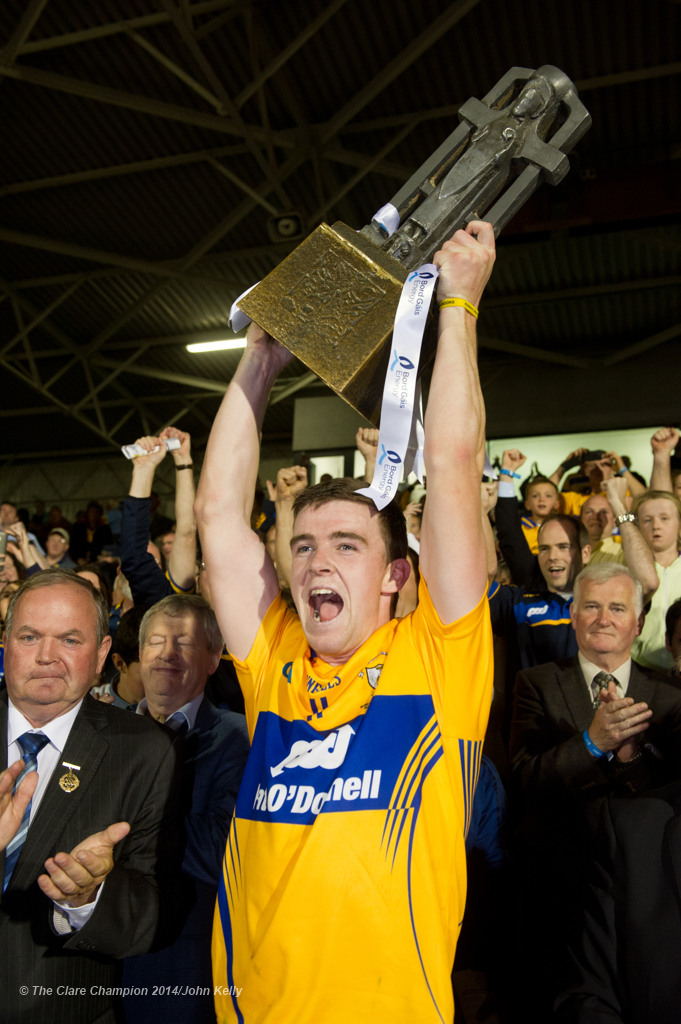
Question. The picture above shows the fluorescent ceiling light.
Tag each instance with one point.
(216, 346)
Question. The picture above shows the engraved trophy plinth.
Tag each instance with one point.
(332, 301)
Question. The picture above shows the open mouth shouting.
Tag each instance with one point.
(325, 604)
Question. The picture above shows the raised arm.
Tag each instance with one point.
(637, 554)
(144, 467)
(366, 440)
(621, 470)
(291, 480)
(182, 560)
(453, 557)
(663, 442)
(147, 580)
(568, 463)
(25, 551)
(241, 576)
(514, 548)
(488, 496)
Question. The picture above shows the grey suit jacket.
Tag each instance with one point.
(128, 772)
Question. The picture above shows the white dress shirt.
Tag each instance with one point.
(66, 919)
(187, 713)
(622, 674)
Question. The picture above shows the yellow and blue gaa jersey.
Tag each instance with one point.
(344, 880)
(530, 531)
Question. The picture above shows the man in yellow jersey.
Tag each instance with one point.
(344, 880)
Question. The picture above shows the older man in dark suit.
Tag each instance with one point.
(81, 877)
(180, 646)
(582, 729)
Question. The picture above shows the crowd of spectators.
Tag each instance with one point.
(532, 850)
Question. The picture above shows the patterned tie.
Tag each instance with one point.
(600, 682)
(31, 744)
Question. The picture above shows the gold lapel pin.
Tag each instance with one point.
(69, 781)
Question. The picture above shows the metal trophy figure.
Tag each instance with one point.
(332, 301)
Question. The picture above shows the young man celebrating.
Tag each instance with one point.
(343, 883)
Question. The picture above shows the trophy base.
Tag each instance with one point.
(332, 302)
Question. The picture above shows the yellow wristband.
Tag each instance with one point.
(468, 306)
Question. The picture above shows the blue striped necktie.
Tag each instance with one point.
(31, 744)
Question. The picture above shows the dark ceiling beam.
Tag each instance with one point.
(38, 319)
(28, 355)
(580, 292)
(156, 373)
(426, 39)
(92, 396)
(450, 110)
(190, 276)
(177, 71)
(285, 55)
(117, 170)
(491, 303)
(63, 406)
(10, 457)
(291, 91)
(212, 26)
(116, 427)
(353, 181)
(184, 27)
(106, 403)
(377, 124)
(17, 40)
(84, 252)
(288, 388)
(243, 186)
(230, 221)
(538, 354)
(69, 347)
(283, 387)
(351, 158)
(645, 345)
(29, 410)
(627, 77)
(164, 340)
(113, 28)
(142, 104)
(453, 13)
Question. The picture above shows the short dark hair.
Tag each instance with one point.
(104, 583)
(532, 480)
(19, 566)
(574, 528)
(126, 642)
(672, 617)
(391, 519)
(66, 578)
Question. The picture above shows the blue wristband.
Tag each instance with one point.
(622, 471)
(507, 472)
(591, 746)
